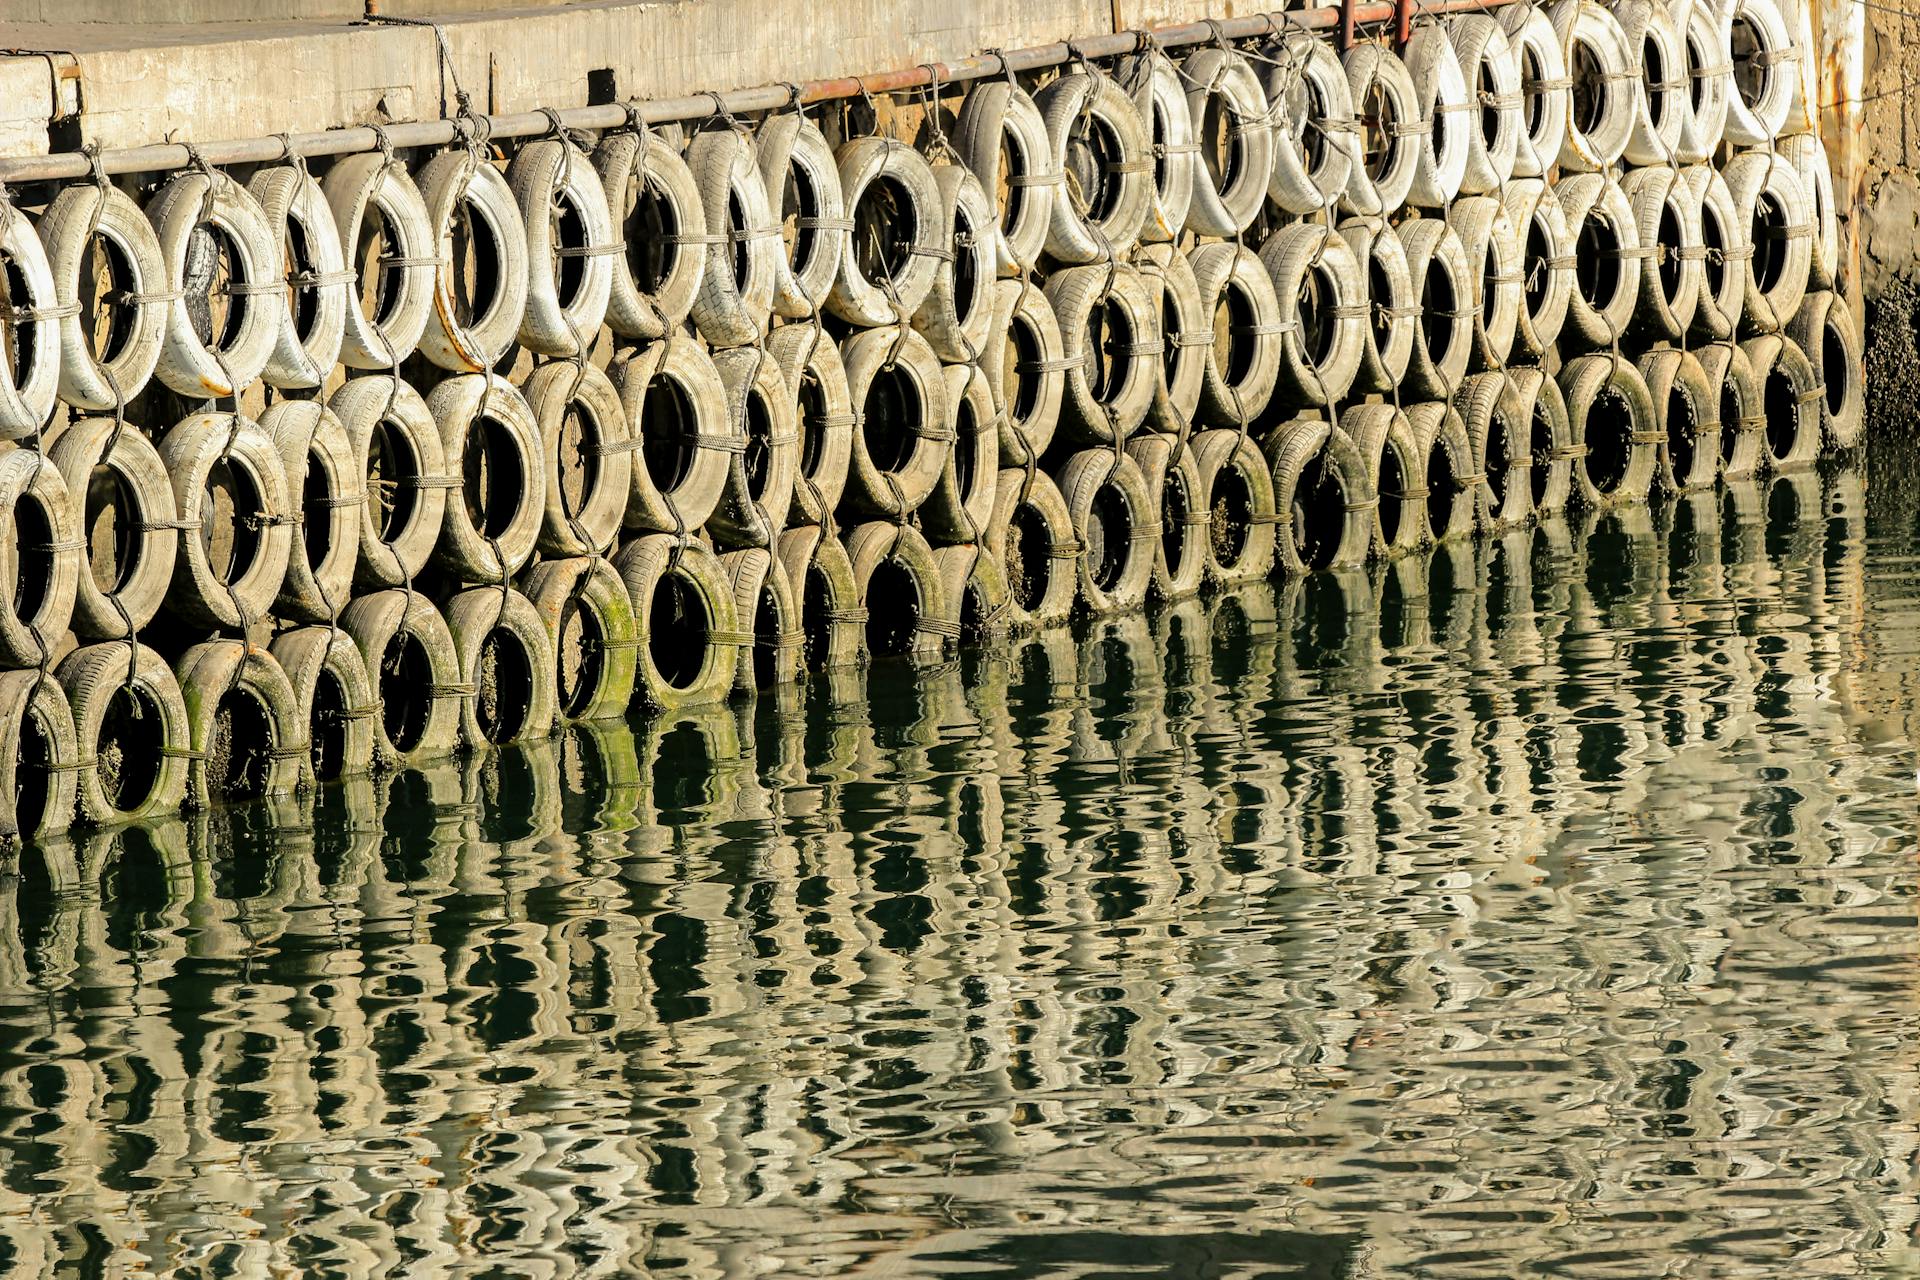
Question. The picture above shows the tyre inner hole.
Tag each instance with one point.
(810, 402)
(494, 479)
(213, 261)
(1781, 404)
(1731, 411)
(229, 533)
(239, 750)
(127, 756)
(885, 229)
(1500, 436)
(406, 679)
(476, 271)
(112, 512)
(1669, 235)
(1381, 290)
(757, 462)
(965, 453)
(1769, 249)
(799, 199)
(1698, 55)
(1609, 440)
(1233, 350)
(296, 249)
(1533, 100)
(33, 557)
(1538, 279)
(1318, 296)
(567, 229)
(1109, 537)
(1541, 447)
(1319, 512)
(817, 604)
(1020, 388)
(1488, 93)
(1749, 77)
(329, 727)
(380, 287)
(1222, 149)
(581, 650)
(1232, 511)
(1392, 487)
(32, 770)
(1029, 557)
(667, 427)
(1312, 112)
(503, 686)
(1377, 120)
(318, 513)
(1443, 490)
(1589, 104)
(1438, 301)
(1093, 149)
(1682, 425)
(652, 231)
(891, 418)
(893, 608)
(392, 468)
(767, 631)
(106, 281)
(1597, 268)
(742, 247)
(1009, 197)
(1653, 68)
(1835, 365)
(1713, 234)
(969, 295)
(1110, 336)
(579, 457)
(679, 630)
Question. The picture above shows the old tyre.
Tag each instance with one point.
(831, 614)
(415, 672)
(1791, 399)
(1727, 255)
(1394, 130)
(1605, 89)
(1743, 424)
(1236, 492)
(1545, 89)
(1443, 338)
(1441, 91)
(823, 410)
(1387, 336)
(326, 479)
(391, 428)
(688, 622)
(1322, 494)
(1174, 497)
(654, 203)
(760, 478)
(1612, 415)
(1608, 259)
(99, 243)
(1101, 145)
(236, 517)
(1224, 97)
(387, 240)
(122, 499)
(1323, 312)
(1031, 536)
(245, 734)
(1550, 439)
(1186, 331)
(40, 557)
(1114, 519)
(1026, 367)
(1666, 215)
(131, 728)
(480, 277)
(1243, 361)
(506, 654)
(587, 449)
(1398, 470)
(1688, 410)
(999, 125)
(735, 299)
(1111, 346)
(1498, 431)
(896, 579)
(312, 320)
(1823, 329)
(958, 312)
(905, 427)
(209, 228)
(770, 636)
(595, 633)
(961, 503)
(491, 446)
(1160, 97)
(1491, 68)
(40, 760)
(333, 696)
(676, 409)
(1440, 438)
(898, 235)
(1547, 265)
(1770, 203)
(803, 193)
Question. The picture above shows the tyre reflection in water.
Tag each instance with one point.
(1540, 902)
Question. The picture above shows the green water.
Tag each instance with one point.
(1538, 907)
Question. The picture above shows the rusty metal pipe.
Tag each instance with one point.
(522, 124)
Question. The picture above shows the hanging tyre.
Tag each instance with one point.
(1397, 470)
(1764, 72)
(1769, 201)
(1688, 410)
(1727, 259)
(235, 515)
(1114, 520)
(1174, 496)
(689, 625)
(586, 457)
(1664, 102)
(1665, 214)
(1225, 100)
(223, 266)
(1102, 147)
(506, 654)
(676, 408)
(975, 591)
(1550, 439)
(1708, 70)
(1604, 72)
(958, 312)
(246, 738)
(1489, 64)
(1031, 537)
(760, 478)
(120, 494)
(831, 615)
(1808, 156)
(1186, 330)
(1111, 346)
(888, 270)
(770, 636)
(595, 633)
(1498, 433)
(1440, 89)
(1612, 416)
(898, 582)
(1608, 259)
(655, 205)
(97, 240)
(1493, 254)
(1823, 329)
(1322, 494)
(415, 672)
(491, 447)
(333, 696)
(1315, 136)
(393, 434)
(1392, 130)
(1545, 89)
(1386, 339)
(1791, 399)
(1236, 492)
(1440, 438)
(312, 319)
(1159, 95)
(961, 503)
(387, 240)
(482, 262)
(1443, 337)
(803, 193)
(1547, 265)
(999, 125)
(30, 372)
(40, 761)
(1243, 361)
(327, 478)
(1026, 367)
(823, 408)
(735, 298)
(900, 448)
(1323, 312)
(1743, 425)
(131, 728)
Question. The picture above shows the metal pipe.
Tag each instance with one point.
(433, 133)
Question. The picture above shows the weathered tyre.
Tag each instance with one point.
(1384, 97)
(122, 499)
(1743, 424)
(1111, 347)
(1764, 71)
(1398, 470)
(1791, 399)
(1236, 492)
(1688, 411)
(1727, 259)
(1186, 331)
(896, 579)
(894, 202)
(1174, 497)
(1550, 439)
(958, 312)
(1547, 265)
(415, 672)
(676, 409)
(245, 735)
(482, 262)
(387, 241)
(1498, 433)
(40, 557)
(506, 654)
(823, 410)
(1160, 96)
(1490, 64)
(200, 232)
(1101, 145)
(1443, 338)
(1387, 336)
(1446, 455)
(1545, 90)
(110, 285)
(1325, 501)
(1666, 216)
(591, 623)
(654, 203)
(1224, 97)
(1708, 69)
(975, 592)
(1823, 328)
(1664, 102)
(131, 729)
(1031, 537)
(1026, 366)
(1608, 259)
(586, 463)
(1315, 137)
(30, 359)
(333, 696)
(1441, 92)
(491, 447)
(1769, 201)
(312, 320)
(1114, 519)
(1605, 76)
(326, 480)
(1611, 414)
(804, 196)
(1321, 290)
(771, 638)
(961, 503)
(1808, 156)
(40, 760)
(404, 467)
(1243, 361)
(236, 518)
(899, 392)
(831, 615)
(760, 478)
(734, 302)
(688, 622)
(1000, 125)
(1493, 253)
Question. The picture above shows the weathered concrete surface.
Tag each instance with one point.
(204, 81)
